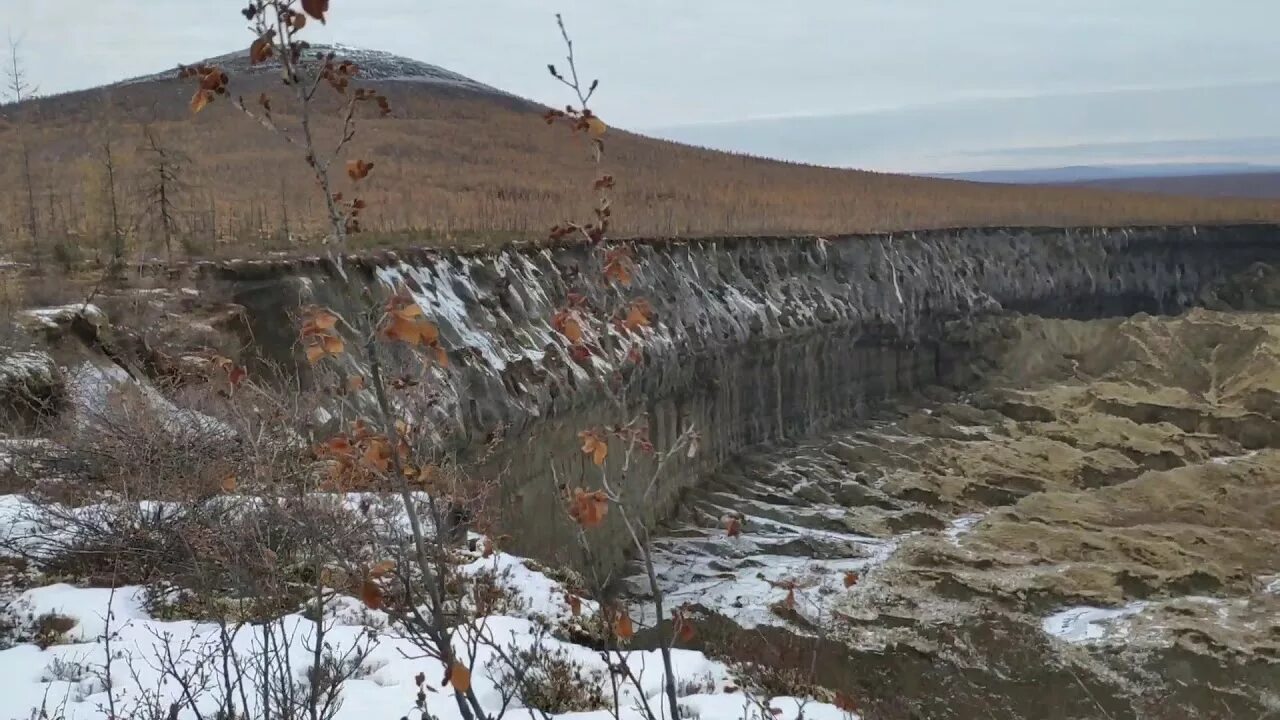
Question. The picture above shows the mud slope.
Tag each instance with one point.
(1094, 533)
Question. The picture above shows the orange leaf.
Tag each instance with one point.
(846, 703)
(442, 357)
(460, 678)
(298, 20)
(382, 568)
(378, 455)
(358, 170)
(236, 376)
(261, 49)
(229, 484)
(594, 446)
(338, 446)
(314, 353)
(371, 595)
(617, 266)
(333, 344)
(850, 579)
(567, 324)
(575, 605)
(355, 383)
(683, 626)
(200, 100)
(588, 509)
(638, 315)
(316, 8)
(596, 126)
(790, 602)
(488, 548)
(623, 628)
(324, 320)
(733, 526)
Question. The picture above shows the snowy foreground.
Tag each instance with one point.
(72, 679)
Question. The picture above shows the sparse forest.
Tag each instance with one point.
(462, 166)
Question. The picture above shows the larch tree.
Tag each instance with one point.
(19, 89)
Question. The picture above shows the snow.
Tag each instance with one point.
(87, 605)
(1227, 460)
(961, 526)
(92, 384)
(53, 317)
(743, 577)
(375, 65)
(69, 675)
(1085, 624)
(71, 672)
(443, 305)
(22, 367)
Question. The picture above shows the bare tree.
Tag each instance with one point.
(117, 232)
(19, 89)
(165, 165)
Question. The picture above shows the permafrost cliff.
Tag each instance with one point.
(754, 339)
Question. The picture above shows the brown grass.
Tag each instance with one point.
(453, 166)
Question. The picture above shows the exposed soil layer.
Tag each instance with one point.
(1093, 533)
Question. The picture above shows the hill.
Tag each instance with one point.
(1260, 184)
(458, 160)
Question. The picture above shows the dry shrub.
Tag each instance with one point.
(138, 445)
(550, 681)
(769, 681)
(140, 490)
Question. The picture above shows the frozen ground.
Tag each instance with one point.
(72, 678)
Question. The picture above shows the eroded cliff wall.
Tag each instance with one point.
(754, 339)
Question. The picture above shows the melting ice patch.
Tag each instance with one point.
(1088, 624)
(1234, 458)
(960, 527)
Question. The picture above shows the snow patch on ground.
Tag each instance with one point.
(745, 577)
(961, 526)
(1227, 460)
(1088, 624)
(68, 676)
(51, 318)
(92, 385)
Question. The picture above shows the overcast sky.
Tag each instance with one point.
(667, 63)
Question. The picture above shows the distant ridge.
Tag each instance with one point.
(1119, 173)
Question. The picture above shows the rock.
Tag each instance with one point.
(812, 492)
(31, 386)
(853, 494)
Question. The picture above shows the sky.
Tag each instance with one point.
(718, 70)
